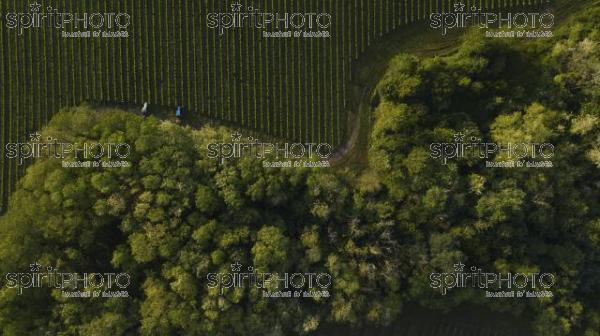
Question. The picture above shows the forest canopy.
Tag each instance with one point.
(176, 215)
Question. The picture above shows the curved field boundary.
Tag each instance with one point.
(369, 69)
(296, 89)
(417, 39)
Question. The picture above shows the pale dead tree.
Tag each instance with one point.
(145, 108)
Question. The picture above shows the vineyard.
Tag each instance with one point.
(289, 88)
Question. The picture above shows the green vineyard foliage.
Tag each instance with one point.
(294, 89)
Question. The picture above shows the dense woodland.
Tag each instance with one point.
(176, 215)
